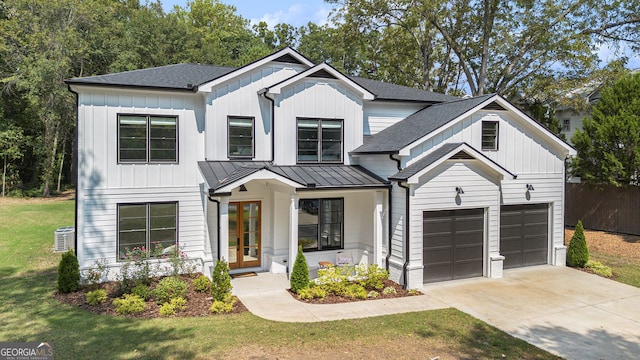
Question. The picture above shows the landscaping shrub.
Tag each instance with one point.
(599, 268)
(578, 253)
(355, 291)
(96, 297)
(202, 284)
(142, 290)
(221, 281)
(129, 304)
(300, 273)
(95, 274)
(172, 307)
(169, 288)
(372, 277)
(373, 294)
(389, 290)
(222, 307)
(68, 273)
(315, 292)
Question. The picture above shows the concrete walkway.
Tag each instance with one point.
(564, 311)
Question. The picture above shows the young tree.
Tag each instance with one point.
(300, 274)
(609, 143)
(578, 252)
(11, 141)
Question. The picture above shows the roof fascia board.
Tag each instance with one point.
(415, 179)
(263, 174)
(277, 88)
(207, 87)
(119, 88)
(406, 151)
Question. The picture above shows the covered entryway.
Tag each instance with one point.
(452, 244)
(244, 234)
(524, 234)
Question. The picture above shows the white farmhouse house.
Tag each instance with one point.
(247, 164)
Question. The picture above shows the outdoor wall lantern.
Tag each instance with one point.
(243, 188)
(530, 187)
(459, 190)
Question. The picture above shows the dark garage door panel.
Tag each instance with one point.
(524, 234)
(452, 244)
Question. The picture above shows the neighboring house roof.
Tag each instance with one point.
(462, 151)
(221, 174)
(388, 91)
(397, 136)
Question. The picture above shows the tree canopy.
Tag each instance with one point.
(609, 144)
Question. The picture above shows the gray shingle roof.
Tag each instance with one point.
(174, 77)
(416, 167)
(219, 174)
(179, 76)
(397, 136)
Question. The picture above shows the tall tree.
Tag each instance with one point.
(609, 144)
(494, 45)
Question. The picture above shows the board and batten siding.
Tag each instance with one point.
(520, 149)
(380, 115)
(97, 220)
(239, 97)
(315, 98)
(98, 166)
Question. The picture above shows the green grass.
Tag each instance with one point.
(28, 312)
(625, 270)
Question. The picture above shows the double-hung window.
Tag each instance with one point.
(489, 135)
(319, 140)
(147, 139)
(240, 137)
(147, 227)
(320, 224)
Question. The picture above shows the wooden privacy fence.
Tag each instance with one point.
(604, 207)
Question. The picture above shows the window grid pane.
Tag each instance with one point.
(319, 140)
(320, 224)
(489, 135)
(151, 226)
(147, 139)
(240, 137)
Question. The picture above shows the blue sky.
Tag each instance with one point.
(293, 12)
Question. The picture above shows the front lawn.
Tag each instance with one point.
(29, 312)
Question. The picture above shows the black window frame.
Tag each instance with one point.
(566, 125)
(148, 228)
(253, 133)
(321, 222)
(319, 141)
(148, 147)
(495, 135)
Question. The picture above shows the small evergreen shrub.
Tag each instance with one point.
(167, 309)
(355, 291)
(389, 290)
(202, 284)
(172, 307)
(129, 304)
(300, 273)
(169, 288)
(68, 273)
(373, 294)
(96, 297)
(578, 253)
(414, 292)
(222, 307)
(315, 292)
(142, 290)
(599, 268)
(221, 281)
(371, 277)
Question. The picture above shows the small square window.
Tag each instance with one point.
(489, 135)
(240, 137)
(566, 124)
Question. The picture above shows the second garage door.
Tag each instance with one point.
(524, 235)
(452, 244)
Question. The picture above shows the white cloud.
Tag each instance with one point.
(607, 53)
(291, 16)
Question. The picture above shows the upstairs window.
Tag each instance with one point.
(489, 135)
(566, 125)
(240, 137)
(319, 140)
(147, 139)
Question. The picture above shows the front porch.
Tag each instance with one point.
(258, 214)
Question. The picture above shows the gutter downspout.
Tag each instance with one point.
(389, 220)
(406, 236)
(218, 222)
(263, 92)
(76, 150)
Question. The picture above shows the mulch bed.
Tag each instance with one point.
(334, 299)
(198, 304)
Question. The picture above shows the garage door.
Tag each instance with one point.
(452, 244)
(524, 235)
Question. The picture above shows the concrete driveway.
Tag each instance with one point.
(564, 311)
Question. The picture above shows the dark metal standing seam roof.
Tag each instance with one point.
(219, 174)
(397, 136)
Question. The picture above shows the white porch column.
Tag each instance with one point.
(293, 230)
(224, 228)
(378, 230)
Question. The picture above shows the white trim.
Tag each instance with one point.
(207, 87)
(568, 150)
(263, 174)
(277, 88)
(415, 179)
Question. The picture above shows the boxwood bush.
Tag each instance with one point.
(68, 273)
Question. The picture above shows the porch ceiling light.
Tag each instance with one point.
(459, 190)
(243, 188)
(530, 187)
